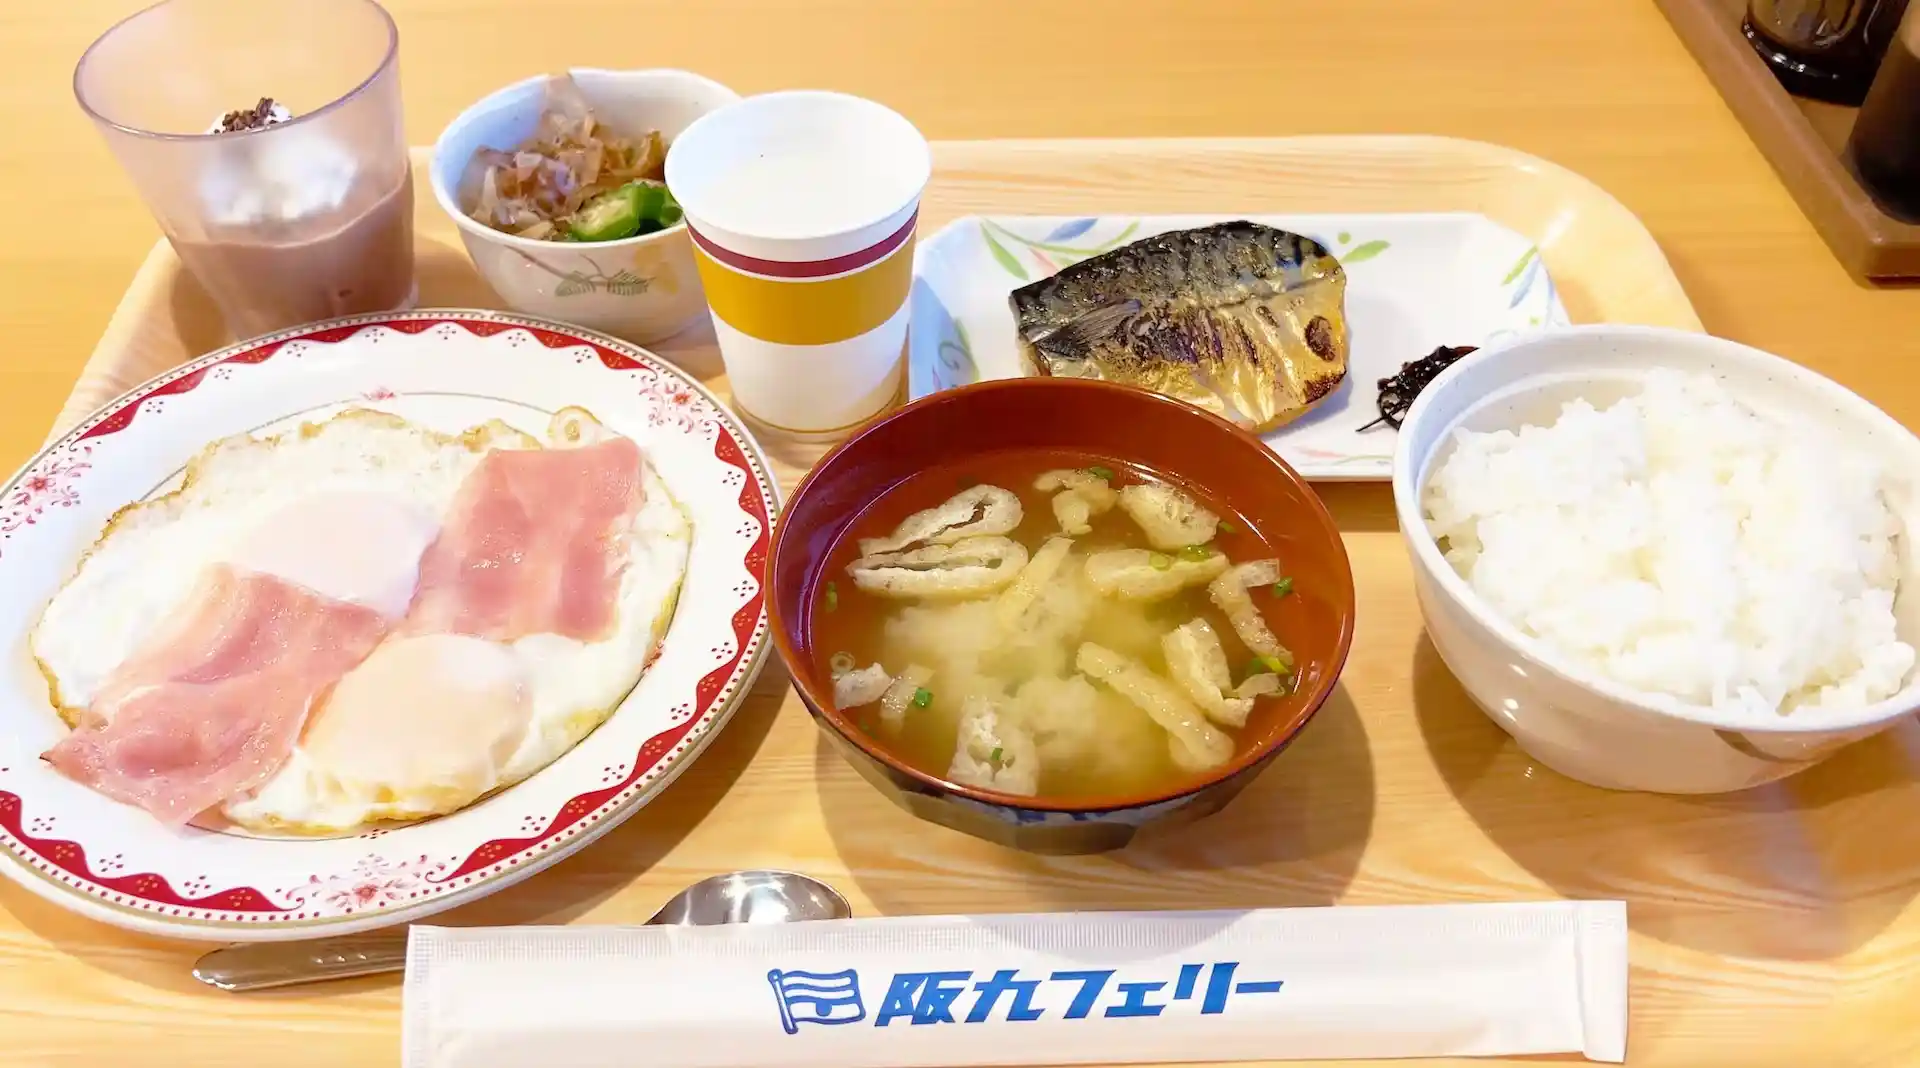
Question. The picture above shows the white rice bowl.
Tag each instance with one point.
(1719, 563)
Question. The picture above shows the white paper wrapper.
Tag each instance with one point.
(1273, 984)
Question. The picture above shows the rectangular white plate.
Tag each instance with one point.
(1414, 282)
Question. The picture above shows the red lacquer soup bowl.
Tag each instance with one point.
(1224, 465)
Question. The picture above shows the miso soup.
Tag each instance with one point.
(1054, 624)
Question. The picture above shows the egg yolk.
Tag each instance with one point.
(423, 722)
(362, 546)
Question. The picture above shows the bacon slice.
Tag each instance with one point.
(213, 707)
(531, 545)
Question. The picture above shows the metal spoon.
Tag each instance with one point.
(737, 897)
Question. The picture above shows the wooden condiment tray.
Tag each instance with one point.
(1805, 140)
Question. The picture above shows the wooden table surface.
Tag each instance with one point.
(1773, 927)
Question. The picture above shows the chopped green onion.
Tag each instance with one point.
(1160, 561)
(830, 600)
(1103, 473)
(995, 755)
(922, 697)
(1228, 528)
(1196, 552)
(840, 664)
(1265, 665)
(1284, 586)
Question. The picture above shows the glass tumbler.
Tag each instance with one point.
(1822, 49)
(305, 218)
(1885, 143)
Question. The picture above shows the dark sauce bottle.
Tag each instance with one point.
(1823, 49)
(1885, 146)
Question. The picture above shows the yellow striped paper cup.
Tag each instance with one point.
(801, 207)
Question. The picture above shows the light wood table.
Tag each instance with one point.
(1774, 927)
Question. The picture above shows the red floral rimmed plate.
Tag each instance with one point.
(449, 370)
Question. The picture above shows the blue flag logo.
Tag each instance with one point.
(816, 998)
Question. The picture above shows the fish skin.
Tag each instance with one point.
(1246, 321)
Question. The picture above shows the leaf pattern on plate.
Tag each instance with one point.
(1524, 276)
(941, 350)
(1002, 256)
(1526, 259)
(1048, 252)
(1364, 252)
(1067, 231)
(954, 358)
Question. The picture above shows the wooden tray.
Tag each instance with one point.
(1768, 929)
(1805, 140)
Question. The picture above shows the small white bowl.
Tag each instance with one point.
(641, 288)
(1570, 719)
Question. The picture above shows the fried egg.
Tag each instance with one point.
(427, 723)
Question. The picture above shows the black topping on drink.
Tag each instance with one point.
(258, 117)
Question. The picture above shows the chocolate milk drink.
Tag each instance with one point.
(295, 208)
(297, 229)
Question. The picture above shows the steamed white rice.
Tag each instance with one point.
(1682, 544)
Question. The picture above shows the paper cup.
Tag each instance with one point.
(801, 207)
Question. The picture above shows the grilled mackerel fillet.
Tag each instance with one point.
(1244, 320)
